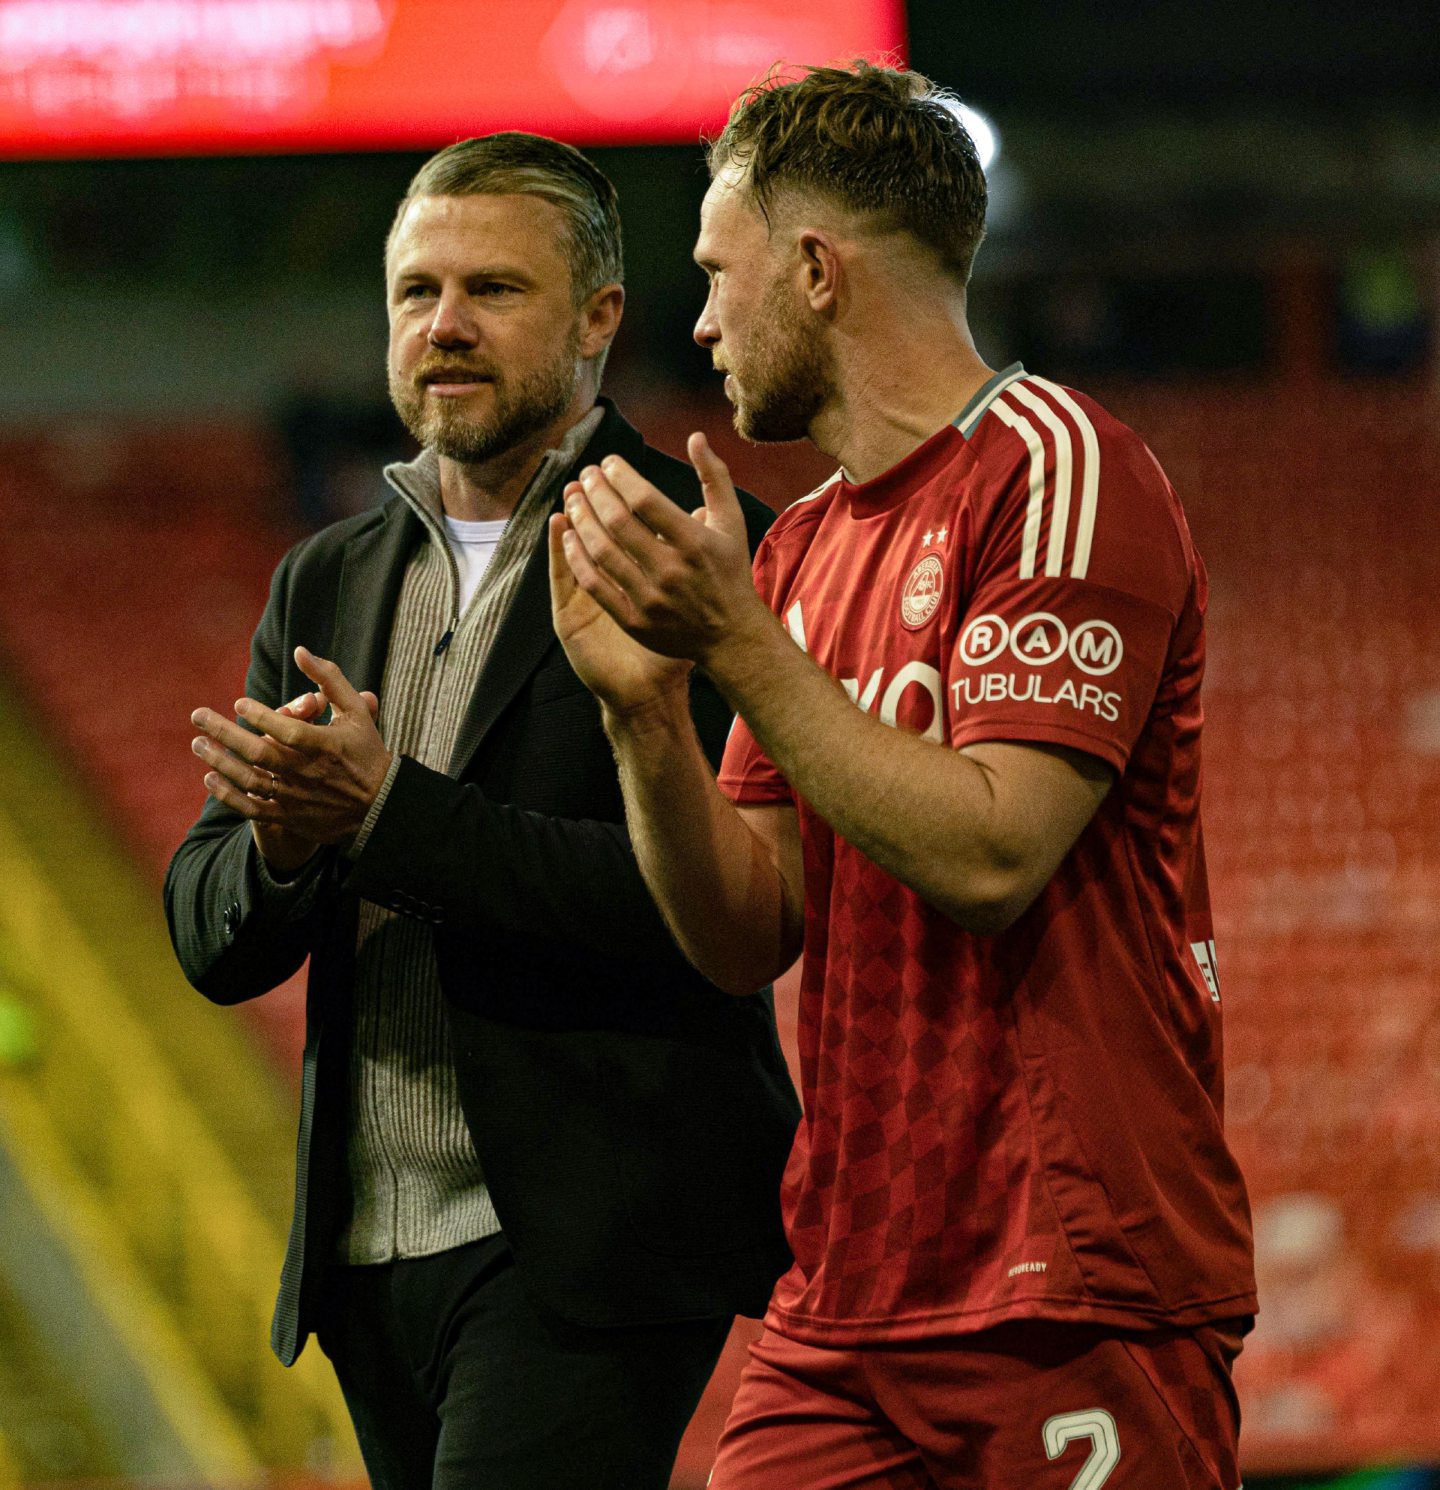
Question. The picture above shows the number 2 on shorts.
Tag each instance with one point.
(1098, 1426)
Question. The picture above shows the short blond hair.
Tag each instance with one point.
(515, 163)
(882, 142)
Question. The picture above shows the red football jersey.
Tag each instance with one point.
(1027, 1124)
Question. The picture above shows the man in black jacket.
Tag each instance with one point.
(539, 1155)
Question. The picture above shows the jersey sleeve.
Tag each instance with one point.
(1083, 570)
(747, 775)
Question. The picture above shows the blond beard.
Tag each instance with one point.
(798, 377)
(519, 410)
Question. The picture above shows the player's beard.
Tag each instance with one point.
(519, 407)
(785, 374)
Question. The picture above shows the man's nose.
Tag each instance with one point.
(707, 328)
(452, 324)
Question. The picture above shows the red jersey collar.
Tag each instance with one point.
(886, 491)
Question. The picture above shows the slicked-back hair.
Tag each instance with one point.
(519, 164)
(878, 141)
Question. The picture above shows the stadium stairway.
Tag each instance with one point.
(52, 1433)
(130, 1125)
(142, 1238)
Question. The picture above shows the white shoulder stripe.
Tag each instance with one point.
(1064, 465)
(824, 486)
(1090, 489)
(1036, 507)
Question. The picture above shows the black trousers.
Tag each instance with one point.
(457, 1380)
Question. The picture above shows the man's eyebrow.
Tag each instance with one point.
(514, 272)
(501, 271)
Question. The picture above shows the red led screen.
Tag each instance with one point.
(157, 77)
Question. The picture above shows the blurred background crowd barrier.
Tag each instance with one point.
(1226, 228)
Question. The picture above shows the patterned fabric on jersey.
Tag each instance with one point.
(1027, 1124)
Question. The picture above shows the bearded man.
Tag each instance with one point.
(965, 788)
(539, 1155)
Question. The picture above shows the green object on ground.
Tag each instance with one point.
(19, 1038)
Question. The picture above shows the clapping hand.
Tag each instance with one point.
(620, 672)
(300, 784)
(640, 588)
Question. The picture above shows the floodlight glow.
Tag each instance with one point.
(980, 129)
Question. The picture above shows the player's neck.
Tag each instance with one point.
(892, 404)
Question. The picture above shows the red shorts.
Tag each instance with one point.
(1033, 1405)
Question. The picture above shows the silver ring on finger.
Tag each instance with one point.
(269, 796)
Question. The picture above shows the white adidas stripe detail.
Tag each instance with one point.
(1064, 476)
(1064, 467)
(1034, 511)
(1090, 489)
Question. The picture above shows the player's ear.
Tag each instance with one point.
(820, 267)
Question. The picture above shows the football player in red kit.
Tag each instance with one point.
(965, 784)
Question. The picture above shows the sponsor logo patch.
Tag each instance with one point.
(1038, 641)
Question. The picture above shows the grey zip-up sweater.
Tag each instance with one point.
(414, 1177)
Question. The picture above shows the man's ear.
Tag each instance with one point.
(600, 319)
(822, 268)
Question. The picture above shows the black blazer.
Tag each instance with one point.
(632, 1121)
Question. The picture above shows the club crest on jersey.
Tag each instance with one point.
(920, 598)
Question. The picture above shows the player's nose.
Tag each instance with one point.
(707, 328)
